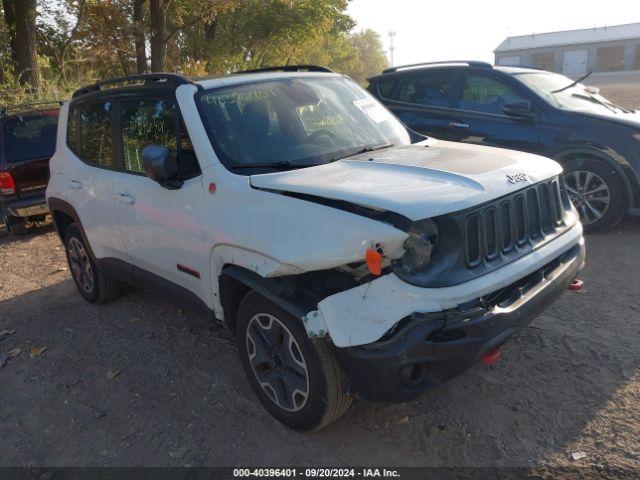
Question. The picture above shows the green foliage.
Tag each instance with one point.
(82, 41)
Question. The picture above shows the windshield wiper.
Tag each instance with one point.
(625, 110)
(573, 84)
(288, 164)
(281, 165)
(373, 149)
(364, 150)
(594, 100)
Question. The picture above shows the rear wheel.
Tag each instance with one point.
(597, 192)
(94, 285)
(12, 225)
(296, 378)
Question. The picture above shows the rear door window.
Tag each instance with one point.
(30, 137)
(432, 89)
(484, 94)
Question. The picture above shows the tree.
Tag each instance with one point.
(371, 59)
(158, 17)
(139, 36)
(58, 28)
(172, 21)
(20, 16)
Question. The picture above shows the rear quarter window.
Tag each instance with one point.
(385, 87)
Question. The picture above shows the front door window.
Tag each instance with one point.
(484, 94)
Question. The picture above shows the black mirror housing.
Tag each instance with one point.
(161, 166)
(519, 109)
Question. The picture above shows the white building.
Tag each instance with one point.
(611, 51)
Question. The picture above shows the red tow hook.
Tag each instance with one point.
(491, 358)
(576, 285)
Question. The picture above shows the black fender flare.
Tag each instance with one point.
(276, 289)
(59, 205)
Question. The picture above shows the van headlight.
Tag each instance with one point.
(418, 247)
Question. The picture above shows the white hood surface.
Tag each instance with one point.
(418, 181)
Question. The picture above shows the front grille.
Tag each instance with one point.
(517, 221)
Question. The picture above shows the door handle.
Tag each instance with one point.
(77, 184)
(125, 198)
(456, 124)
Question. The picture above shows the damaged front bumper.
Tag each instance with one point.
(427, 349)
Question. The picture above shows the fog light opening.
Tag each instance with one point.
(417, 372)
(412, 375)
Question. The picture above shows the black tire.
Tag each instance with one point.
(93, 284)
(13, 225)
(603, 176)
(326, 399)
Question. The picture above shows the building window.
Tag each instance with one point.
(637, 64)
(512, 61)
(545, 61)
(610, 59)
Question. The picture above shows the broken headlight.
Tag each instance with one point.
(418, 247)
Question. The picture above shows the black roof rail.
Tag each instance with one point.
(20, 107)
(471, 63)
(289, 68)
(144, 78)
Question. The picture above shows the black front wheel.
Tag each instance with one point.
(597, 192)
(296, 378)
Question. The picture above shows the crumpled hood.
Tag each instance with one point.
(418, 181)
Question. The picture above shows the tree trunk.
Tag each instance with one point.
(9, 7)
(138, 35)
(26, 57)
(158, 15)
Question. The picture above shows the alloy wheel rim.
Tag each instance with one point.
(589, 193)
(80, 265)
(277, 362)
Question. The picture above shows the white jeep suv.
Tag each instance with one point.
(347, 253)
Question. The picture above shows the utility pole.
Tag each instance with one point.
(392, 35)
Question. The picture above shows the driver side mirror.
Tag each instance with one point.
(519, 109)
(161, 166)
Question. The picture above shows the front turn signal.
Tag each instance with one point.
(374, 261)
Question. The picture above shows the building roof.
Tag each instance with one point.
(570, 37)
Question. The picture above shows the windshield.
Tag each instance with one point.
(295, 122)
(30, 137)
(577, 97)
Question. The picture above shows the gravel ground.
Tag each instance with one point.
(141, 382)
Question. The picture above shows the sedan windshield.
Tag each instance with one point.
(295, 122)
(552, 87)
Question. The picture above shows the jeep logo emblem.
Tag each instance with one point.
(517, 178)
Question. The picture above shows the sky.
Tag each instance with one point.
(428, 30)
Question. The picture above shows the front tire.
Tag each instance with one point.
(297, 379)
(598, 193)
(93, 284)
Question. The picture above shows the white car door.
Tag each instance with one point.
(90, 174)
(161, 228)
